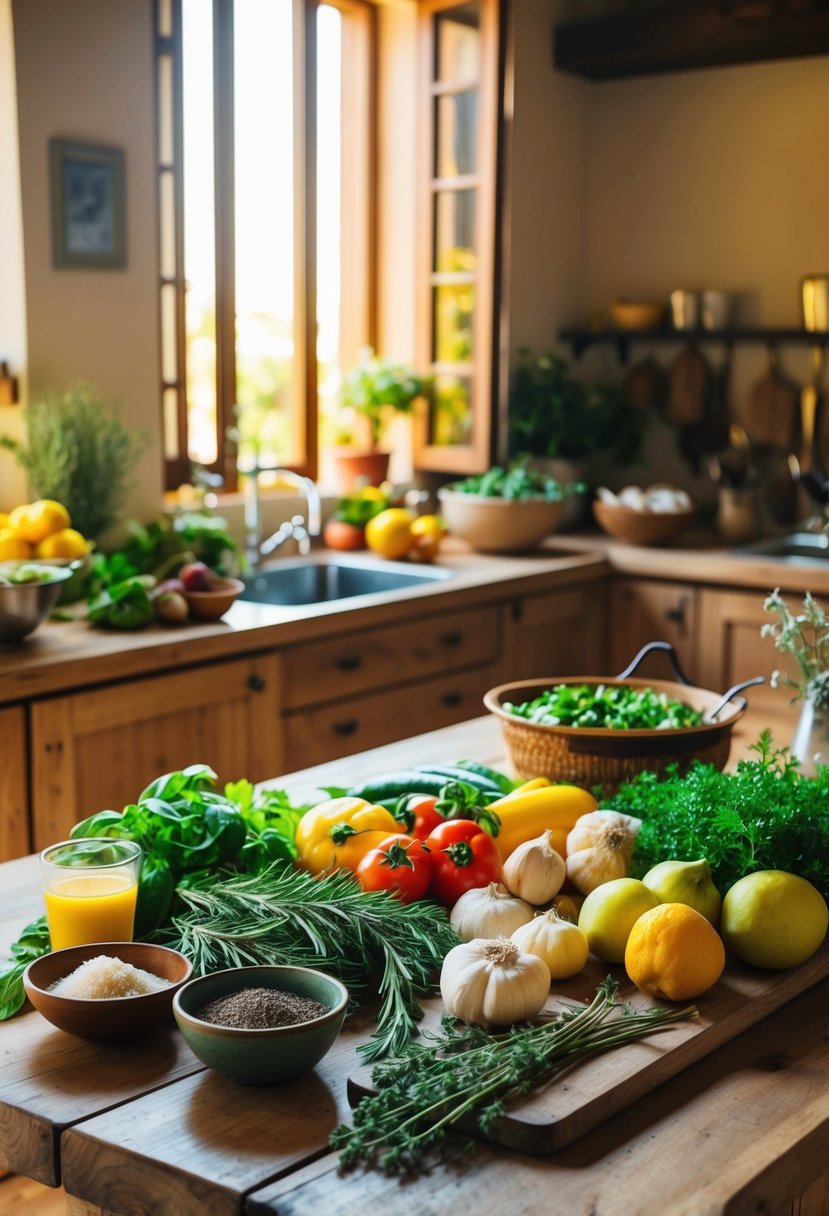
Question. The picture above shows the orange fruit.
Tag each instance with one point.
(12, 546)
(674, 953)
(389, 534)
(67, 543)
(34, 521)
(427, 533)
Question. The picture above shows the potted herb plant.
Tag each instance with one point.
(372, 393)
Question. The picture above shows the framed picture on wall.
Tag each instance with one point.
(87, 188)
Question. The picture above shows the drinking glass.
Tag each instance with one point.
(90, 888)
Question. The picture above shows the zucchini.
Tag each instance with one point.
(504, 783)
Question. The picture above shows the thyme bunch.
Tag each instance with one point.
(466, 1071)
(283, 916)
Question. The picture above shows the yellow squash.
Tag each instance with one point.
(527, 813)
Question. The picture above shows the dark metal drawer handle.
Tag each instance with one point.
(349, 662)
(451, 639)
(345, 728)
(256, 683)
(450, 699)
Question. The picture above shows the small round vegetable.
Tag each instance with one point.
(562, 945)
(171, 608)
(417, 814)
(196, 576)
(338, 534)
(488, 912)
(399, 864)
(463, 856)
(485, 981)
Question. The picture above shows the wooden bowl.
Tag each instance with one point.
(640, 527)
(637, 314)
(499, 525)
(110, 1018)
(210, 605)
(598, 756)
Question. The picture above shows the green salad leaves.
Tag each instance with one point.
(614, 706)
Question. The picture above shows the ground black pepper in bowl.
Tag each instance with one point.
(261, 1009)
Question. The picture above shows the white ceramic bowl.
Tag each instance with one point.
(499, 525)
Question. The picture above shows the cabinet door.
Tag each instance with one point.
(100, 748)
(731, 649)
(557, 634)
(648, 610)
(15, 836)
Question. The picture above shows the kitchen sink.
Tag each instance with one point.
(312, 581)
(799, 548)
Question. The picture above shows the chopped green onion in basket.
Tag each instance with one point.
(613, 707)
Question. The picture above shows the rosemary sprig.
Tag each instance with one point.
(285, 916)
(467, 1071)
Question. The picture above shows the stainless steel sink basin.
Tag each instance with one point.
(319, 581)
(798, 548)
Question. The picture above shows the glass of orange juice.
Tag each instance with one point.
(90, 887)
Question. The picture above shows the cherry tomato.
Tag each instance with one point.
(400, 864)
(417, 814)
(463, 856)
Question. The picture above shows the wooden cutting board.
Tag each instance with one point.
(771, 411)
(590, 1092)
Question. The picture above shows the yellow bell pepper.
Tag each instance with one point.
(336, 834)
(526, 814)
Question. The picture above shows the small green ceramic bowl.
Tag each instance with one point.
(261, 1057)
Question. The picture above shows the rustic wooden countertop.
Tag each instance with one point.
(67, 655)
(143, 1127)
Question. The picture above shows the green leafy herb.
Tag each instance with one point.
(764, 816)
(469, 1072)
(517, 483)
(32, 943)
(287, 916)
(615, 706)
(124, 605)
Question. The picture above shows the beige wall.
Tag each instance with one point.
(85, 71)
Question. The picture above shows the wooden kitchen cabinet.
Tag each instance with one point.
(644, 610)
(560, 633)
(15, 836)
(99, 748)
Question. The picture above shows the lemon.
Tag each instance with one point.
(67, 543)
(609, 913)
(674, 952)
(13, 546)
(389, 534)
(427, 533)
(773, 919)
(35, 521)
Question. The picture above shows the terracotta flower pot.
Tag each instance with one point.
(355, 468)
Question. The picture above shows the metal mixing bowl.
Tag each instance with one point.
(24, 606)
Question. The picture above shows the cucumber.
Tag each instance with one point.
(454, 772)
(504, 783)
(391, 785)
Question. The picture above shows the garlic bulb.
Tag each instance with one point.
(535, 870)
(562, 945)
(493, 982)
(488, 912)
(599, 848)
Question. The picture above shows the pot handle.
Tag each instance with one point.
(731, 693)
(673, 659)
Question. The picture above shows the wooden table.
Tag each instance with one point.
(142, 1129)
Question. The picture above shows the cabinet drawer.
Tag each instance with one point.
(358, 662)
(317, 735)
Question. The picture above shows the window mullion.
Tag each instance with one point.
(305, 248)
(225, 234)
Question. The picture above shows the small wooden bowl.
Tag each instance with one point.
(210, 605)
(637, 314)
(640, 527)
(109, 1018)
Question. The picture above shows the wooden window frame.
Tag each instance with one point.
(483, 367)
(359, 159)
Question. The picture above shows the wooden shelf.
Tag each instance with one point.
(580, 339)
(690, 35)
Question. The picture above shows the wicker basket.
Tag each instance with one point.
(601, 757)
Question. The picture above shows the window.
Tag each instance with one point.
(265, 138)
(458, 224)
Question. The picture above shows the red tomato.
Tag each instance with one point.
(338, 534)
(417, 814)
(463, 856)
(400, 864)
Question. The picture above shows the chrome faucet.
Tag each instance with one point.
(298, 529)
